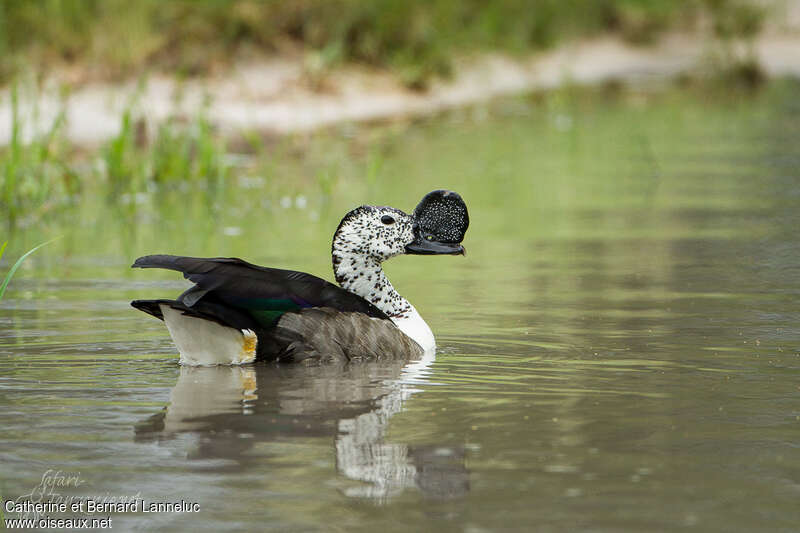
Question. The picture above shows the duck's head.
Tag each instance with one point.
(380, 233)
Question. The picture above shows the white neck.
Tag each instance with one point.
(417, 329)
(364, 276)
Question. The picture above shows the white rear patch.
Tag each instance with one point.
(205, 343)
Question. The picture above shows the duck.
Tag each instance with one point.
(237, 312)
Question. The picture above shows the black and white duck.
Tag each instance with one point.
(238, 312)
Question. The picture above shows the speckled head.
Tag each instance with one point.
(440, 222)
(374, 232)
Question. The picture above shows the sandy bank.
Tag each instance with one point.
(274, 96)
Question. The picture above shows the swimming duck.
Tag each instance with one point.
(238, 312)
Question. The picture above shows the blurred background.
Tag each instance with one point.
(129, 101)
(618, 351)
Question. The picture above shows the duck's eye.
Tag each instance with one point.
(386, 219)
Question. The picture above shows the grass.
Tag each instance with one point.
(41, 172)
(180, 152)
(15, 266)
(416, 39)
(37, 173)
(736, 25)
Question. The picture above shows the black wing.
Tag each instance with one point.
(262, 292)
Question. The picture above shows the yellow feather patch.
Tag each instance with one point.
(249, 343)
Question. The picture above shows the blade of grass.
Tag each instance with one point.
(17, 264)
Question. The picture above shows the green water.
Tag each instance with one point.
(619, 350)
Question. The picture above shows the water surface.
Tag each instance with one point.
(619, 350)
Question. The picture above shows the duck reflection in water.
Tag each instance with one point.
(225, 412)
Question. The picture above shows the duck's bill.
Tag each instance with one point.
(422, 246)
(440, 222)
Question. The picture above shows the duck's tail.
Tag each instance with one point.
(201, 335)
(152, 307)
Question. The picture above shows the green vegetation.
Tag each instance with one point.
(414, 38)
(180, 152)
(15, 266)
(36, 175)
(48, 172)
(736, 25)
